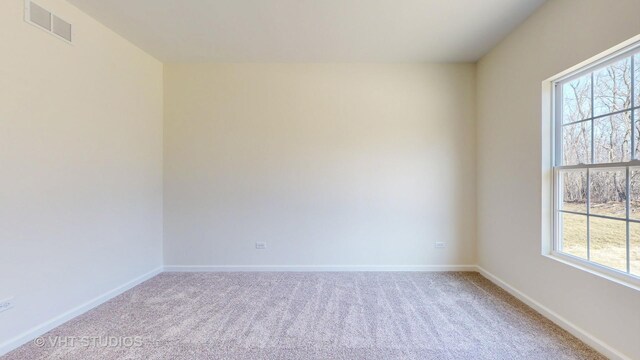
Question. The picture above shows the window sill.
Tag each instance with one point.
(597, 270)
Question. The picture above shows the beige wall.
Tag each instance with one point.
(80, 165)
(559, 35)
(349, 164)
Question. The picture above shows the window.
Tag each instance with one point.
(596, 164)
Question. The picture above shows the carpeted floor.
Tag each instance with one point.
(326, 315)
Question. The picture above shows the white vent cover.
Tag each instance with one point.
(61, 28)
(37, 15)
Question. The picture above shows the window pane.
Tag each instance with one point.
(574, 190)
(637, 133)
(608, 192)
(608, 242)
(634, 199)
(637, 79)
(612, 88)
(612, 138)
(576, 99)
(576, 143)
(634, 247)
(574, 234)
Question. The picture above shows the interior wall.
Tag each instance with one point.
(80, 164)
(329, 164)
(561, 34)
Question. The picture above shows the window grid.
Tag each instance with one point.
(601, 116)
(560, 169)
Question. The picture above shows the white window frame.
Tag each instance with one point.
(552, 126)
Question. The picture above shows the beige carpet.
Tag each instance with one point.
(310, 316)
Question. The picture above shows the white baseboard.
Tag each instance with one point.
(304, 268)
(41, 329)
(576, 331)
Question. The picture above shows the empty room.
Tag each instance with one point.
(320, 179)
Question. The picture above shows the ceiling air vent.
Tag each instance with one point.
(37, 15)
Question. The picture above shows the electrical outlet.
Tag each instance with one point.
(6, 304)
(261, 245)
(440, 245)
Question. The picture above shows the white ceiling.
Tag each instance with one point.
(312, 30)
